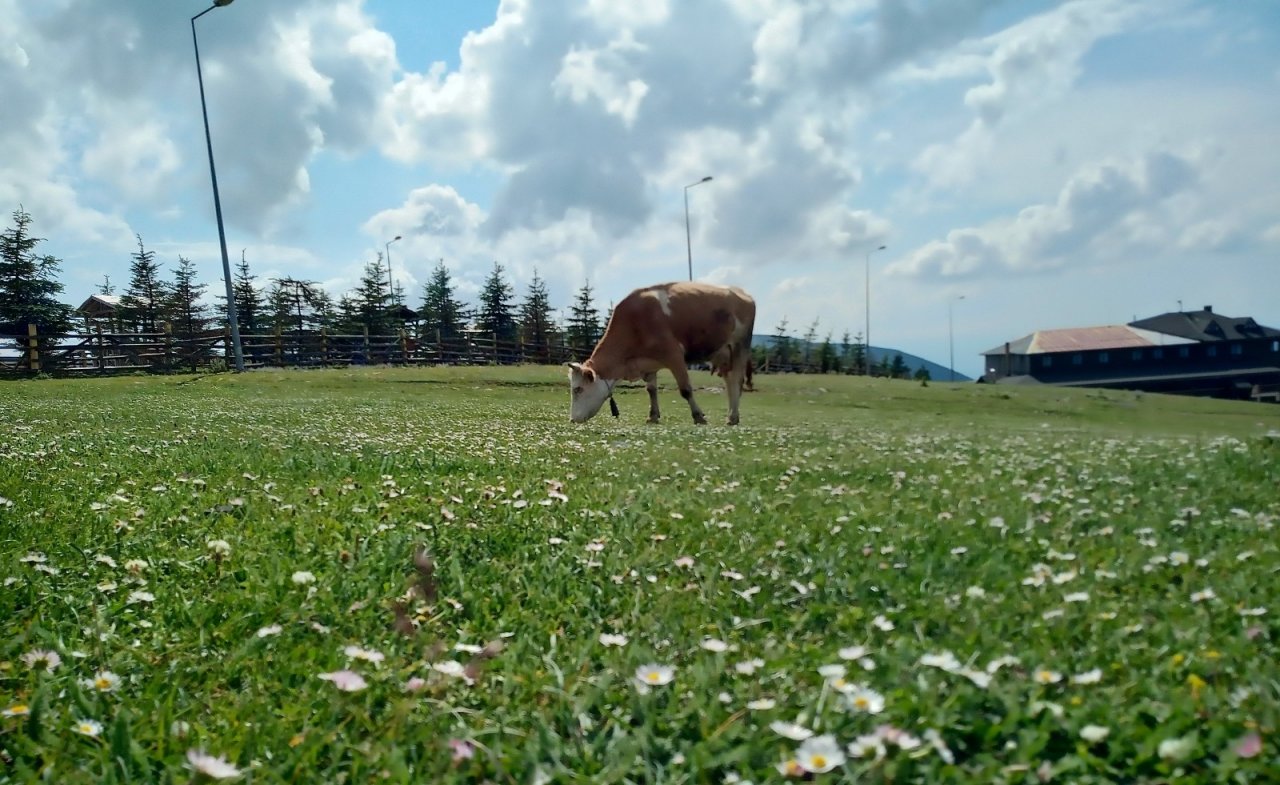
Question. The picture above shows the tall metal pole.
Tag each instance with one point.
(232, 319)
(951, 339)
(866, 338)
(391, 289)
(687, 236)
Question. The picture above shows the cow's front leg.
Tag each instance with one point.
(681, 372)
(651, 385)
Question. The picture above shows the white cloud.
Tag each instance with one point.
(1101, 214)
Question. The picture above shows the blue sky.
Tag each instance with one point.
(1056, 164)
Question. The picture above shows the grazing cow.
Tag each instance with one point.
(668, 326)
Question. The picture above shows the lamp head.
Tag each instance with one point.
(222, 3)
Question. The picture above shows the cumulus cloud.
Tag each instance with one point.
(1101, 213)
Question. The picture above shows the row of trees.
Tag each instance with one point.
(29, 291)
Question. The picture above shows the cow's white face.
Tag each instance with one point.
(587, 393)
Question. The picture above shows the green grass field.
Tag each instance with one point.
(867, 581)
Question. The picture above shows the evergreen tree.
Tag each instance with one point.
(144, 302)
(495, 317)
(858, 358)
(536, 325)
(105, 287)
(827, 359)
(782, 349)
(583, 329)
(250, 305)
(324, 314)
(29, 285)
(898, 369)
(810, 343)
(442, 314)
(348, 315)
(922, 375)
(846, 354)
(373, 300)
(190, 315)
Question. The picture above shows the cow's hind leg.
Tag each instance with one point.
(734, 378)
(651, 385)
(681, 372)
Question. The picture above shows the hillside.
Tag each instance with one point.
(936, 371)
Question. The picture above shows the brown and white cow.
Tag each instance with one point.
(668, 326)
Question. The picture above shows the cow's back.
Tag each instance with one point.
(703, 318)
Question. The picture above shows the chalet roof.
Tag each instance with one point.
(1083, 339)
(1205, 325)
(100, 304)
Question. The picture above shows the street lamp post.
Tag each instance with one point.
(951, 339)
(687, 236)
(866, 337)
(391, 289)
(232, 319)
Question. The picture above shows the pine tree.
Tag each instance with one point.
(373, 300)
(495, 317)
(29, 285)
(190, 315)
(442, 313)
(898, 369)
(810, 343)
(858, 356)
(536, 325)
(584, 323)
(782, 349)
(144, 302)
(105, 287)
(827, 359)
(846, 354)
(250, 305)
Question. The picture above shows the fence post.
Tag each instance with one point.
(168, 345)
(404, 346)
(439, 349)
(226, 342)
(33, 348)
(279, 347)
(324, 346)
(368, 355)
(495, 348)
(102, 359)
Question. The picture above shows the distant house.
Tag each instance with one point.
(101, 310)
(1187, 352)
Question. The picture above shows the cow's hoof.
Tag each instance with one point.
(732, 421)
(699, 420)
(652, 420)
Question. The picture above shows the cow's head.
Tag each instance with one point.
(587, 392)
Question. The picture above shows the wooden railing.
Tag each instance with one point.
(110, 352)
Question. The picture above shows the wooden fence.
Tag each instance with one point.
(100, 352)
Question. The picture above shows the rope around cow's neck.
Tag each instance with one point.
(613, 405)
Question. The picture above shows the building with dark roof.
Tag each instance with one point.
(1188, 352)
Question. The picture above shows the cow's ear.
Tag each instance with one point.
(575, 366)
(589, 375)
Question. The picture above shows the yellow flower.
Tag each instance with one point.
(16, 710)
(1196, 683)
(1177, 659)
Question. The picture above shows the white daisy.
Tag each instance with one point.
(790, 730)
(1094, 733)
(819, 754)
(91, 728)
(42, 659)
(654, 675)
(610, 639)
(218, 768)
(866, 700)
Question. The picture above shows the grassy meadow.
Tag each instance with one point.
(429, 575)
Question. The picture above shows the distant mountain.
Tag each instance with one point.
(937, 372)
